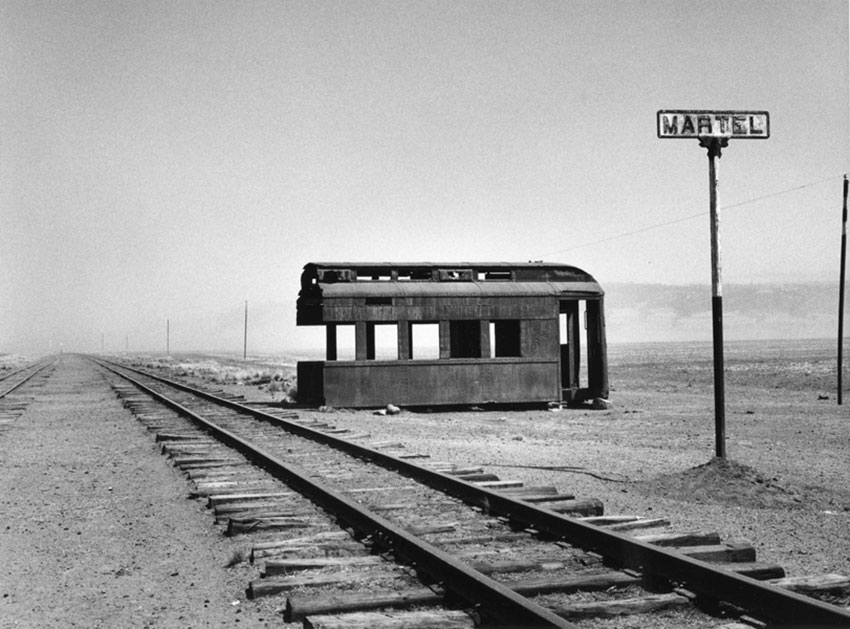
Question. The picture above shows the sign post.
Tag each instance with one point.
(714, 129)
(840, 369)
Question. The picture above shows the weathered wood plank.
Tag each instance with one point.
(587, 506)
(363, 490)
(431, 529)
(693, 538)
(537, 498)
(264, 514)
(477, 478)
(546, 585)
(222, 499)
(815, 583)
(230, 508)
(300, 606)
(285, 566)
(231, 487)
(621, 607)
(755, 570)
(498, 484)
(606, 520)
(395, 620)
(518, 565)
(350, 547)
(314, 538)
(649, 523)
(727, 553)
(486, 539)
(241, 526)
(270, 587)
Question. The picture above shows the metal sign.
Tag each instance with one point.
(714, 129)
(745, 125)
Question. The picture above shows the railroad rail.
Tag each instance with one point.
(12, 401)
(248, 501)
(19, 377)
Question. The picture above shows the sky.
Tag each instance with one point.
(163, 163)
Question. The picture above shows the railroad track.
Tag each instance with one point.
(13, 400)
(331, 515)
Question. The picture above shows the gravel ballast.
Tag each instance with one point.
(97, 530)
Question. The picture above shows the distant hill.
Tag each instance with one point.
(659, 312)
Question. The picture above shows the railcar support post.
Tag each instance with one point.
(714, 146)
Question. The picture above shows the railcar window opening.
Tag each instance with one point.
(414, 275)
(455, 275)
(493, 275)
(374, 276)
(424, 341)
(331, 276)
(345, 341)
(505, 338)
(386, 341)
(465, 338)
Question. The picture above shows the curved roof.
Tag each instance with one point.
(491, 288)
(455, 279)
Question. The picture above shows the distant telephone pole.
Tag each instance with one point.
(245, 340)
(167, 337)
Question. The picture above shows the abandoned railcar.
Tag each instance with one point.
(458, 333)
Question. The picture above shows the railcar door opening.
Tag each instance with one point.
(583, 364)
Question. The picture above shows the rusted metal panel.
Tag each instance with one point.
(311, 380)
(540, 338)
(433, 382)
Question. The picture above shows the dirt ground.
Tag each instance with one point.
(95, 527)
(785, 485)
(96, 530)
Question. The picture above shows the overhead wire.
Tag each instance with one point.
(693, 216)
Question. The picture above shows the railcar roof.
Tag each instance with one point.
(440, 265)
(461, 289)
(434, 279)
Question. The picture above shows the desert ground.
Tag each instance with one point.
(784, 486)
(89, 544)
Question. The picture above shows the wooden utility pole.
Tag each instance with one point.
(841, 293)
(167, 337)
(714, 129)
(714, 146)
(245, 340)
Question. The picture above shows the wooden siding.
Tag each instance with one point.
(446, 381)
(350, 309)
